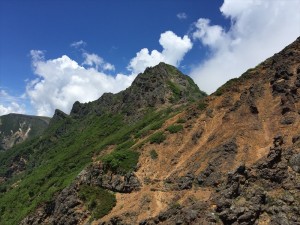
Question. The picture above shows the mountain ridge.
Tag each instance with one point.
(230, 158)
(16, 128)
(157, 86)
(71, 141)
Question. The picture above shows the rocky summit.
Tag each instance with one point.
(159, 86)
(161, 152)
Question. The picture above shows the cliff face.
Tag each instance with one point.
(230, 158)
(16, 128)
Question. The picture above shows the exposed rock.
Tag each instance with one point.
(159, 85)
(212, 175)
(16, 128)
(96, 175)
(61, 211)
(295, 162)
(197, 135)
(186, 182)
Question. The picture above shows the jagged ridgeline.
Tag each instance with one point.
(108, 132)
(160, 153)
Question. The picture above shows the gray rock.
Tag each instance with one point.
(295, 162)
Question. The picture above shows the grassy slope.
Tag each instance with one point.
(55, 160)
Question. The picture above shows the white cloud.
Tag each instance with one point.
(96, 61)
(77, 44)
(92, 60)
(181, 16)
(10, 104)
(63, 81)
(259, 28)
(174, 49)
(209, 35)
(108, 66)
(37, 55)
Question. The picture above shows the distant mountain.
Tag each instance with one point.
(162, 152)
(16, 128)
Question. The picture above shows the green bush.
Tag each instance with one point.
(176, 91)
(202, 105)
(125, 145)
(98, 200)
(181, 120)
(153, 154)
(121, 161)
(158, 137)
(175, 128)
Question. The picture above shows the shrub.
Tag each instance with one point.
(153, 154)
(125, 145)
(181, 120)
(158, 137)
(175, 128)
(202, 105)
(176, 91)
(99, 201)
(121, 161)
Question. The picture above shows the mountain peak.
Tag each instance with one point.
(160, 85)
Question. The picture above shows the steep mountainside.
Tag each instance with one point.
(230, 158)
(236, 160)
(16, 128)
(43, 173)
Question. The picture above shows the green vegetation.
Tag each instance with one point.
(153, 154)
(176, 91)
(175, 205)
(99, 201)
(153, 126)
(202, 105)
(158, 137)
(181, 120)
(67, 146)
(121, 161)
(125, 145)
(171, 69)
(226, 86)
(54, 161)
(175, 128)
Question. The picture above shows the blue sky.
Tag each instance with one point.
(55, 52)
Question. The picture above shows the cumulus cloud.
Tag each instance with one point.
(208, 34)
(78, 44)
(10, 104)
(62, 81)
(181, 16)
(259, 28)
(96, 61)
(174, 49)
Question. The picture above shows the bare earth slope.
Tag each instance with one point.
(237, 160)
